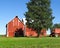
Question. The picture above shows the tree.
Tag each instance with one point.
(39, 15)
(56, 26)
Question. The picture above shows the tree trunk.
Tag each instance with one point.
(38, 32)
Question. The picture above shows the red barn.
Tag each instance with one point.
(55, 32)
(16, 28)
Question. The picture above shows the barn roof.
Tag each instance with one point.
(13, 19)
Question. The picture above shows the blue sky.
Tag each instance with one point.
(10, 8)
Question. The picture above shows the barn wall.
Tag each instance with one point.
(13, 26)
(57, 30)
(43, 32)
(16, 24)
(30, 32)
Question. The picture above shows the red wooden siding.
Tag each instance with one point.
(43, 32)
(30, 32)
(16, 26)
(13, 25)
(55, 31)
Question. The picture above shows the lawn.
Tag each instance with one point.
(21, 42)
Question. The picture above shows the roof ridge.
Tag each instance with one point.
(14, 18)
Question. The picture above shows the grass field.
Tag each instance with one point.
(45, 42)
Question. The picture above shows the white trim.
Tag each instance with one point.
(18, 22)
(13, 22)
(7, 31)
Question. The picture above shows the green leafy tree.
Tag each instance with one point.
(56, 26)
(39, 15)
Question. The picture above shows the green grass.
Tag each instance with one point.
(45, 42)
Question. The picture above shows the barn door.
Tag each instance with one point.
(19, 33)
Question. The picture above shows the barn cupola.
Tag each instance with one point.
(16, 16)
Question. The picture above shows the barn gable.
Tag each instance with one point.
(13, 26)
